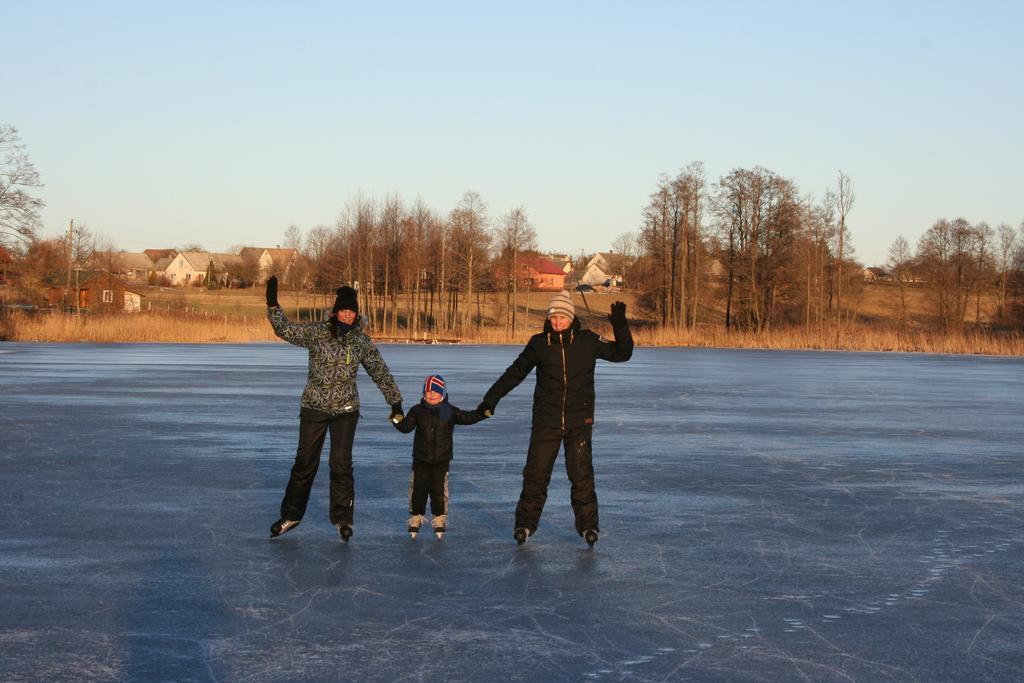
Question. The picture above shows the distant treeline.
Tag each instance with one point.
(750, 251)
(746, 252)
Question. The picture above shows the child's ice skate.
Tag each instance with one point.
(521, 534)
(345, 531)
(415, 522)
(590, 536)
(438, 524)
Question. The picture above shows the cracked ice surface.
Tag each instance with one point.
(765, 516)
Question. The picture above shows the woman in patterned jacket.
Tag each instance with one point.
(330, 402)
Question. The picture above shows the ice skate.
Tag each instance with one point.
(521, 534)
(415, 522)
(590, 536)
(345, 531)
(438, 524)
(281, 526)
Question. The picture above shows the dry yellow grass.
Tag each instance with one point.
(200, 328)
(856, 337)
(141, 327)
(238, 316)
(196, 328)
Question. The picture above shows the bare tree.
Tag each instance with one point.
(759, 218)
(936, 256)
(79, 246)
(297, 270)
(388, 236)
(293, 237)
(19, 208)
(414, 256)
(843, 200)
(984, 236)
(440, 240)
(356, 231)
(815, 249)
(323, 253)
(688, 188)
(1007, 249)
(628, 244)
(658, 234)
(515, 235)
(472, 242)
(899, 263)
(964, 239)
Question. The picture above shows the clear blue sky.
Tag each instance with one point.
(223, 122)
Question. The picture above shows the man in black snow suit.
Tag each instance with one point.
(330, 402)
(563, 409)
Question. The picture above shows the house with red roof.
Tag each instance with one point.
(537, 273)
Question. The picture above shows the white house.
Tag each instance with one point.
(605, 268)
(876, 274)
(269, 261)
(187, 268)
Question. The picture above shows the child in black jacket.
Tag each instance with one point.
(434, 420)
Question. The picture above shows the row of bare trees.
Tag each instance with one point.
(754, 253)
(671, 239)
(746, 251)
(960, 267)
(748, 248)
(414, 268)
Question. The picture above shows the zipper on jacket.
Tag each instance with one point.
(565, 381)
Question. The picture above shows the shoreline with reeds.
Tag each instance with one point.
(166, 328)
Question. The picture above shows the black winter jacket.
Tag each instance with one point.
(564, 396)
(433, 440)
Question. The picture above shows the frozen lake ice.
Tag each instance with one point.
(765, 516)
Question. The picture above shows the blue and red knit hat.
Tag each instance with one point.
(435, 383)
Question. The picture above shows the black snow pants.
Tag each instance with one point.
(428, 479)
(313, 427)
(540, 460)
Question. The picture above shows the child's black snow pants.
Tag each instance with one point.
(540, 460)
(428, 478)
(313, 427)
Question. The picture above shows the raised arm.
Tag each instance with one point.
(299, 334)
(621, 349)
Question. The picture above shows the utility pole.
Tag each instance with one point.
(67, 247)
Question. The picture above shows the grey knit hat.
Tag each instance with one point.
(561, 304)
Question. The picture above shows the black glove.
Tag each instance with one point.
(396, 412)
(618, 316)
(486, 409)
(272, 291)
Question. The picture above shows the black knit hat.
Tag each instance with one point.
(347, 300)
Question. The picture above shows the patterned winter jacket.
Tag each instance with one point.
(331, 387)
